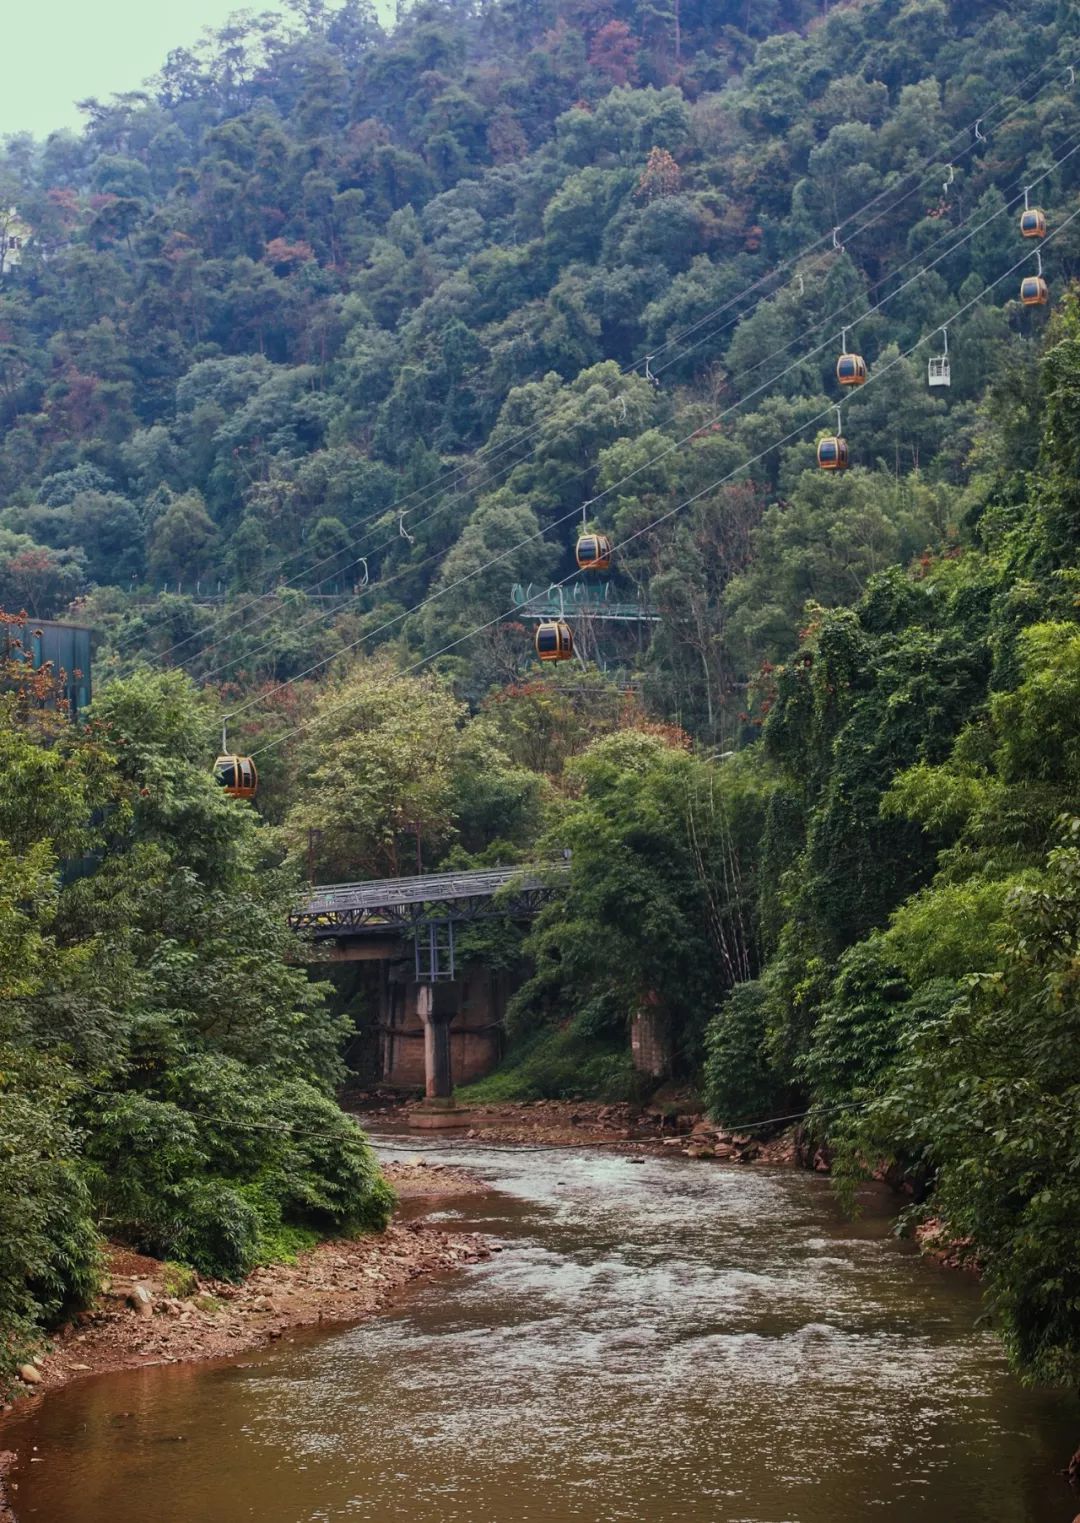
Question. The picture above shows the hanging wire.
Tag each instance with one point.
(663, 454)
(461, 473)
(654, 523)
(414, 568)
(411, 569)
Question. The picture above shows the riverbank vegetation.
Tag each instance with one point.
(168, 1068)
(330, 337)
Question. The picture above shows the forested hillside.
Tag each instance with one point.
(327, 339)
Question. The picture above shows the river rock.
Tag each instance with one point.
(140, 1298)
(30, 1375)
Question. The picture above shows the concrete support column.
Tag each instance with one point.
(650, 1040)
(438, 1110)
(438, 1080)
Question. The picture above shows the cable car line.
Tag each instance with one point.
(689, 349)
(677, 444)
(461, 473)
(961, 133)
(951, 233)
(410, 569)
(687, 502)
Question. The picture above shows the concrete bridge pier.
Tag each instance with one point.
(438, 1081)
(650, 1039)
(438, 1111)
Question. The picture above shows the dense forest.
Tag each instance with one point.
(321, 344)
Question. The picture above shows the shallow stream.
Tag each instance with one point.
(663, 1341)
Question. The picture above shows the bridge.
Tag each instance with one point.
(453, 1006)
(427, 907)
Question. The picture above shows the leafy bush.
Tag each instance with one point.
(215, 1229)
(179, 1280)
(49, 1254)
(265, 1166)
(739, 1084)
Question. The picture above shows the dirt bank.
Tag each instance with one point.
(144, 1316)
(588, 1123)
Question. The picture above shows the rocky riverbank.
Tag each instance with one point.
(148, 1314)
(587, 1123)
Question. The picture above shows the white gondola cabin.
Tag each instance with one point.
(938, 371)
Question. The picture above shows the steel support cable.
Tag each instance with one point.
(437, 490)
(662, 455)
(319, 615)
(792, 260)
(687, 502)
(1026, 183)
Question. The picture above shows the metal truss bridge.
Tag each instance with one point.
(428, 907)
(579, 600)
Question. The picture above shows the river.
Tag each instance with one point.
(663, 1342)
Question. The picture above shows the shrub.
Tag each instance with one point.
(49, 1253)
(216, 1229)
(179, 1280)
(739, 1083)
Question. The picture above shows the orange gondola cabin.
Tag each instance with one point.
(851, 370)
(1034, 292)
(594, 552)
(1032, 223)
(237, 775)
(832, 453)
(554, 642)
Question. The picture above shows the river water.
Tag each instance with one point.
(662, 1342)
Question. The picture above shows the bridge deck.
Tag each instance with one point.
(334, 908)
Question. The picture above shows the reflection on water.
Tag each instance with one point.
(665, 1341)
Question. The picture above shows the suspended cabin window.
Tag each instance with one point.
(237, 775)
(851, 370)
(1033, 223)
(832, 453)
(1034, 292)
(554, 642)
(594, 552)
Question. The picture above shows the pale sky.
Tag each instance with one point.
(56, 52)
